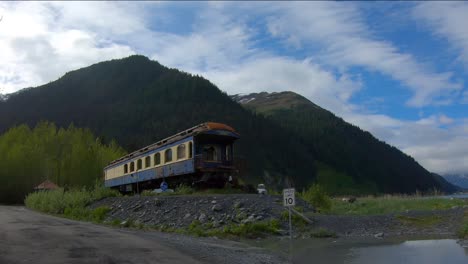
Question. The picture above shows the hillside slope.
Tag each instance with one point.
(138, 101)
(349, 159)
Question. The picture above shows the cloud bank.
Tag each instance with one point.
(322, 50)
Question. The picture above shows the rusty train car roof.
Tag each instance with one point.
(186, 133)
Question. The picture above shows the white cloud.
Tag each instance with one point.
(448, 20)
(275, 74)
(41, 41)
(345, 41)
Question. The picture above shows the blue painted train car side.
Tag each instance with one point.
(198, 154)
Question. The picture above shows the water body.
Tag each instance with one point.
(445, 251)
(459, 196)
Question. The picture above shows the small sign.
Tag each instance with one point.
(164, 186)
(289, 198)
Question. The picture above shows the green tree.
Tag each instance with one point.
(69, 157)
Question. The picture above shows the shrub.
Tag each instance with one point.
(252, 230)
(99, 214)
(184, 189)
(148, 193)
(296, 220)
(71, 204)
(317, 197)
(99, 192)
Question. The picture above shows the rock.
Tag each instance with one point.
(216, 224)
(241, 216)
(379, 235)
(187, 216)
(350, 199)
(258, 218)
(250, 219)
(213, 202)
(463, 243)
(238, 204)
(217, 208)
(454, 207)
(202, 218)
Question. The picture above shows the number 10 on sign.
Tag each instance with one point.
(289, 198)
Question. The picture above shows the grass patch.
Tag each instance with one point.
(297, 221)
(421, 221)
(248, 230)
(322, 233)
(71, 204)
(463, 232)
(392, 204)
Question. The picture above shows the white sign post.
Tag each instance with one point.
(289, 200)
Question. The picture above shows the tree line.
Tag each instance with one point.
(69, 157)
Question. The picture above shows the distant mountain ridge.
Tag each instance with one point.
(344, 152)
(460, 180)
(286, 140)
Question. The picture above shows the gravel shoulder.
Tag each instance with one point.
(30, 237)
(436, 223)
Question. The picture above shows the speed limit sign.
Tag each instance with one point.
(289, 198)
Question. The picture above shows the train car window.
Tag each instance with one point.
(132, 166)
(168, 155)
(190, 150)
(157, 159)
(139, 164)
(147, 161)
(209, 153)
(126, 168)
(181, 151)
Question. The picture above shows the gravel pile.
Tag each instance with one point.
(181, 211)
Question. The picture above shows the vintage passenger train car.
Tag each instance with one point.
(201, 156)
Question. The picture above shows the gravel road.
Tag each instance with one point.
(30, 237)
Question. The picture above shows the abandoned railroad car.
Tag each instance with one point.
(201, 156)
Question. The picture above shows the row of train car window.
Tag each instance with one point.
(181, 154)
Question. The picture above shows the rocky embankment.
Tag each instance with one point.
(216, 211)
(181, 211)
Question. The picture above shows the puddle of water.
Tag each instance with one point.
(420, 251)
(445, 251)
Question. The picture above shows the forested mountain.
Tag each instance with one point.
(349, 159)
(137, 101)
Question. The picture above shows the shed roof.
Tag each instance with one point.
(46, 185)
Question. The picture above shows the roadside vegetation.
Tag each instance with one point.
(317, 197)
(392, 204)
(463, 232)
(72, 203)
(247, 230)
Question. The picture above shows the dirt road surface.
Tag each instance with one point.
(30, 237)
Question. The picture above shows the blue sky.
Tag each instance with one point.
(396, 69)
